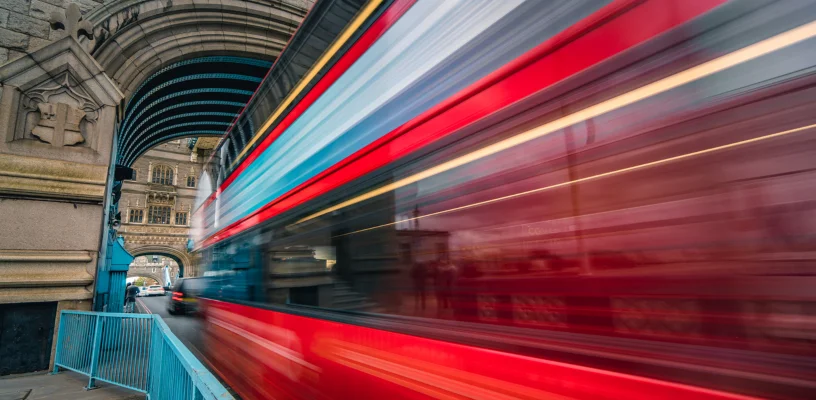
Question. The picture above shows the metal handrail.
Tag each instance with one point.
(135, 351)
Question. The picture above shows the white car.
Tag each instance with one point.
(154, 290)
(142, 292)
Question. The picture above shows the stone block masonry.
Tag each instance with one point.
(24, 25)
(11, 40)
(28, 25)
(4, 14)
(16, 5)
(60, 93)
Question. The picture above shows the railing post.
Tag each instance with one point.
(59, 344)
(156, 358)
(146, 358)
(97, 344)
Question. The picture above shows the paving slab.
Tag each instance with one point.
(65, 385)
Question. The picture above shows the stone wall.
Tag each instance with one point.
(57, 116)
(25, 26)
(141, 193)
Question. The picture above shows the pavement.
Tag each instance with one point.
(65, 385)
(71, 385)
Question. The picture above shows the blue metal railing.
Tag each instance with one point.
(135, 351)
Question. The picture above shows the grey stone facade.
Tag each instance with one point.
(67, 69)
(57, 119)
(143, 236)
(57, 116)
(25, 26)
(146, 267)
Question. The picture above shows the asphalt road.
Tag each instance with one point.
(186, 327)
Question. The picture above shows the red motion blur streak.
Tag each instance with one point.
(611, 30)
(269, 354)
(386, 20)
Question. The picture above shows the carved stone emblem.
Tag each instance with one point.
(161, 198)
(60, 112)
(59, 124)
(71, 23)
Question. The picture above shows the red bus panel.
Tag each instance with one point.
(267, 354)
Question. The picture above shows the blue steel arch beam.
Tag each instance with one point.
(177, 127)
(189, 104)
(129, 142)
(165, 133)
(172, 73)
(199, 95)
(229, 115)
(168, 119)
(174, 95)
(181, 135)
(216, 59)
(187, 78)
(182, 68)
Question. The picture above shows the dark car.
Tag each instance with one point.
(184, 298)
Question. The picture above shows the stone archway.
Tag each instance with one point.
(182, 258)
(177, 253)
(133, 39)
(160, 48)
(156, 277)
(136, 41)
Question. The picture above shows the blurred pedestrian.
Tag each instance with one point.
(445, 276)
(419, 275)
(131, 291)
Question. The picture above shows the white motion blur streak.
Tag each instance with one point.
(427, 34)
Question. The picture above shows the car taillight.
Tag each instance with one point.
(177, 295)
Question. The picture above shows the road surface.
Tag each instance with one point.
(186, 327)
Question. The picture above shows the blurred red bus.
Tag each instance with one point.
(521, 200)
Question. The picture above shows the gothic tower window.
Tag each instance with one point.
(163, 175)
(136, 216)
(158, 215)
(181, 218)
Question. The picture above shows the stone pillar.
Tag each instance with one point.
(150, 171)
(57, 118)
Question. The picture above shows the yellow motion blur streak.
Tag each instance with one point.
(594, 177)
(729, 60)
(324, 59)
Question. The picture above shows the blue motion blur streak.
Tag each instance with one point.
(436, 50)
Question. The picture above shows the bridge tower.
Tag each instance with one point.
(82, 92)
